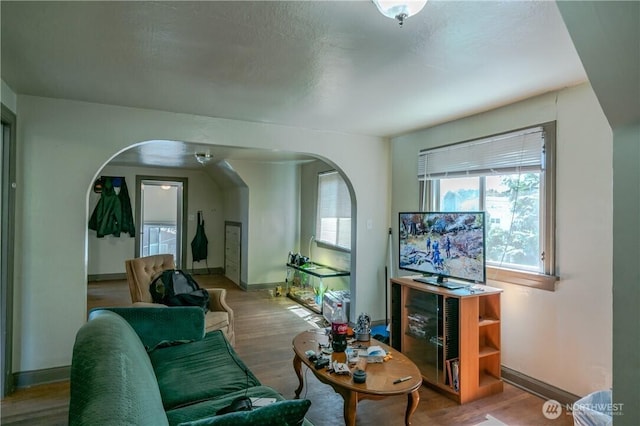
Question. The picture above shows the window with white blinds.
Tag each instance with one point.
(333, 219)
(511, 177)
(508, 153)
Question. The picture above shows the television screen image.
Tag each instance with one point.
(444, 244)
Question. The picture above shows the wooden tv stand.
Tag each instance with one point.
(442, 331)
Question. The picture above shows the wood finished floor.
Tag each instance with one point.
(264, 329)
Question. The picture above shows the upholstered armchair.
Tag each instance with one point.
(141, 272)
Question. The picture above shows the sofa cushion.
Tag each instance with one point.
(199, 371)
(280, 413)
(112, 380)
(162, 326)
(209, 407)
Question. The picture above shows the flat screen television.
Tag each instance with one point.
(443, 245)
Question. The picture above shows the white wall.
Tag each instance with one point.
(67, 142)
(107, 255)
(8, 96)
(564, 337)
(273, 226)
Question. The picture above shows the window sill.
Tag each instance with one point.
(527, 279)
(332, 246)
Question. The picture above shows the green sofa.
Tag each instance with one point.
(156, 366)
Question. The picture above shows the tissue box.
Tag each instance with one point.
(375, 354)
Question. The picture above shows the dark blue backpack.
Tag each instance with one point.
(175, 287)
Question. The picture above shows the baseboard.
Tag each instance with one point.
(264, 286)
(242, 285)
(536, 387)
(206, 271)
(105, 277)
(26, 379)
(121, 276)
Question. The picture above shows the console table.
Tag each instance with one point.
(453, 336)
(310, 287)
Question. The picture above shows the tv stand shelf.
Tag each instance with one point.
(445, 332)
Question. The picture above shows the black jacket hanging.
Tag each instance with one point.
(126, 224)
(199, 244)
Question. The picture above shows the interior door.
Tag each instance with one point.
(160, 210)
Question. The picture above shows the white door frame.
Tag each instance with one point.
(181, 213)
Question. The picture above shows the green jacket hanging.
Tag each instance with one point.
(112, 214)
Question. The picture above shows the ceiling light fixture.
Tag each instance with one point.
(203, 157)
(399, 9)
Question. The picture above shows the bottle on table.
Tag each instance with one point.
(339, 327)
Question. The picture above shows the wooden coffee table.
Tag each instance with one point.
(380, 376)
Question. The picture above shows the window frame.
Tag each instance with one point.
(318, 231)
(546, 279)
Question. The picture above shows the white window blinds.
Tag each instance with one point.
(333, 224)
(508, 153)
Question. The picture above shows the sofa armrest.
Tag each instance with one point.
(218, 302)
(112, 381)
(157, 326)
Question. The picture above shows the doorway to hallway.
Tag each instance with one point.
(161, 215)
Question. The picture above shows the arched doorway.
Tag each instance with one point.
(222, 190)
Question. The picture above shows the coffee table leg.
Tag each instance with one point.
(412, 403)
(297, 367)
(350, 407)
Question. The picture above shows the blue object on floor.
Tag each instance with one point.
(379, 329)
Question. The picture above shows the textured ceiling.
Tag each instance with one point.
(338, 66)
